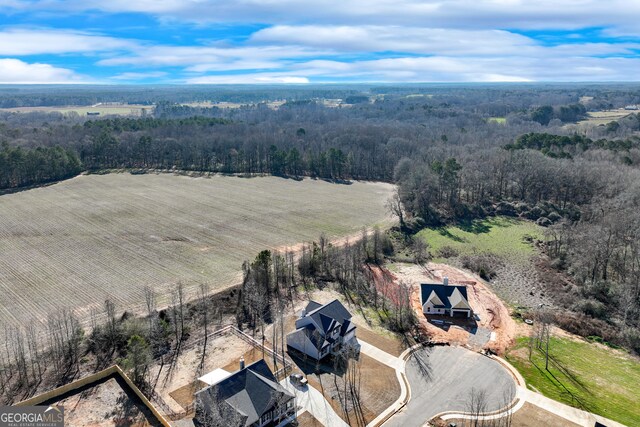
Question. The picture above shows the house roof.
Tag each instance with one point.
(215, 376)
(251, 392)
(324, 315)
(445, 296)
(318, 339)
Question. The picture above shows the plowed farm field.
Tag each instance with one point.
(78, 242)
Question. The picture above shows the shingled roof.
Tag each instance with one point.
(326, 316)
(445, 296)
(251, 392)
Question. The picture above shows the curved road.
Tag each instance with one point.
(441, 379)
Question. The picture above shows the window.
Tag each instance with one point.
(428, 309)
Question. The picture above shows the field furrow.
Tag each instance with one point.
(78, 242)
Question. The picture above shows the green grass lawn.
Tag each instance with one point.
(586, 375)
(498, 235)
(500, 120)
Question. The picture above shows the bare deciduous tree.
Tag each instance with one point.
(476, 405)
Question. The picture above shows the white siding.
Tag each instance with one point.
(299, 341)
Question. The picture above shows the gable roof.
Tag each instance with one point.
(325, 315)
(435, 299)
(457, 300)
(251, 392)
(449, 296)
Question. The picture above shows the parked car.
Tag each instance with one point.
(298, 379)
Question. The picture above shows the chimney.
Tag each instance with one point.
(242, 363)
(445, 281)
(303, 313)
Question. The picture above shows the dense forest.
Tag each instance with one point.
(456, 153)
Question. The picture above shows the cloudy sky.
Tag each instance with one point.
(318, 41)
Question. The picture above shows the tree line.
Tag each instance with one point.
(451, 163)
(20, 167)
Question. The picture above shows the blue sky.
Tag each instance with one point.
(318, 41)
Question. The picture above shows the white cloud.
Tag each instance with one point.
(206, 58)
(396, 39)
(499, 14)
(367, 40)
(432, 41)
(469, 69)
(20, 42)
(18, 72)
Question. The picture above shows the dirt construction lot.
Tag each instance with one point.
(493, 327)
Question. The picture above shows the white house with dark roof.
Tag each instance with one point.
(445, 299)
(249, 397)
(322, 330)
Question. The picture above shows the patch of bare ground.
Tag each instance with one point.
(388, 343)
(494, 317)
(378, 385)
(559, 285)
(520, 285)
(173, 384)
(106, 404)
(308, 420)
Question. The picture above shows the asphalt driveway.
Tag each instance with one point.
(441, 379)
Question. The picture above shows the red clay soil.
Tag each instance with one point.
(494, 315)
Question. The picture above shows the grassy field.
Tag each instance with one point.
(582, 374)
(104, 110)
(77, 242)
(500, 120)
(603, 117)
(498, 235)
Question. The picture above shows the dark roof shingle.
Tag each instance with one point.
(442, 291)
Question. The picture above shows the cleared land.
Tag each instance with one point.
(498, 235)
(508, 240)
(80, 241)
(105, 404)
(582, 374)
(604, 117)
(102, 109)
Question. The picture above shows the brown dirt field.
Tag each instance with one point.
(221, 351)
(250, 356)
(106, 404)
(307, 420)
(185, 394)
(493, 314)
(390, 344)
(379, 388)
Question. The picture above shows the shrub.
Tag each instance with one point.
(484, 265)
(448, 252)
(592, 307)
(535, 213)
(506, 209)
(554, 216)
(544, 221)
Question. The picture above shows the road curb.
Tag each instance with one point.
(512, 370)
(405, 390)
